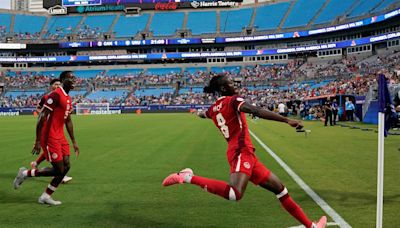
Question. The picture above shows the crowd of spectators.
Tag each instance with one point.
(257, 84)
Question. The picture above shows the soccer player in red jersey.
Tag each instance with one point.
(54, 84)
(56, 111)
(228, 114)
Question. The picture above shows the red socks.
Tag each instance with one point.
(216, 187)
(293, 208)
(50, 189)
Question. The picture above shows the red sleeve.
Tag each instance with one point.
(236, 102)
(41, 103)
(52, 101)
(208, 112)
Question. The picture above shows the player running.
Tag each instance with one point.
(54, 84)
(228, 115)
(56, 111)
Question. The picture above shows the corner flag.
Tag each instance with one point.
(385, 103)
(385, 117)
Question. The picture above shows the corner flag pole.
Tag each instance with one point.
(381, 156)
(385, 115)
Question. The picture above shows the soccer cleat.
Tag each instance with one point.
(321, 223)
(184, 176)
(19, 179)
(34, 165)
(66, 179)
(46, 199)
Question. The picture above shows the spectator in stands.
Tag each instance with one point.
(328, 111)
(349, 107)
(335, 109)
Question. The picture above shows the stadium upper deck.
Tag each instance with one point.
(262, 18)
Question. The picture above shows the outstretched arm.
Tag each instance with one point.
(70, 129)
(201, 114)
(39, 126)
(268, 115)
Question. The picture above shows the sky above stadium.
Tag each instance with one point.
(5, 4)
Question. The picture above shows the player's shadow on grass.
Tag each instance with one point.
(118, 215)
(6, 197)
(354, 198)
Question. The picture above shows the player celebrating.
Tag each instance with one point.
(54, 84)
(56, 111)
(228, 115)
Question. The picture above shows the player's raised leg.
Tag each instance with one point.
(232, 191)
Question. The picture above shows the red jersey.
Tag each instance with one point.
(60, 105)
(40, 105)
(42, 101)
(231, 122)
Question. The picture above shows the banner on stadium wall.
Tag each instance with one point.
(112, 109)
(9, 112)
(199, 55)
(84, 6)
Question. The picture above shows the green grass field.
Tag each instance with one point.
(124, 158)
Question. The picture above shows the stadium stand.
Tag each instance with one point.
(202, 22)
(364, 7)
(166, 24)
(28, 26)
(60, 26)
(302, 12)
(268, 17)
(332, 11)
(235, 20)
(129, 26)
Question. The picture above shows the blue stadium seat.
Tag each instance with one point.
(104, 25)
(130, 26)
(107, 94)
(28, 23)
(232, 69)
(193, 90)
(302, 12)
(194, 70)
(162, 71)
(5, 20)
(63, 25)
(202, 22)
(270, 16)
(52, 74)
(74, 93)
(385, 4)
(331, 11)
(153, 91)
(87, 73)
(24, 93)
(364, 7)
(235, 20)
(166, 24)
(124, 72)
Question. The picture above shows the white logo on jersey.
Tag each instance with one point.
(217, 108)
(246, 165)
(239, 99)
(54, 156)
(50, 101)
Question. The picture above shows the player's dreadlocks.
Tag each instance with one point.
(64, 74)
(214, 85)
(54, 81)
